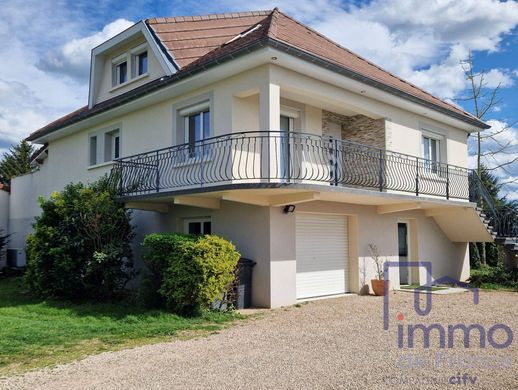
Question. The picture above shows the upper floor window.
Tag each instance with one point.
(197, 127)
(121, 73)
(104, 146)
(111, 145)
(431, 152)
(130, 65)
(141, 63)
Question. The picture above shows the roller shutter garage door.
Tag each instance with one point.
(322, 255)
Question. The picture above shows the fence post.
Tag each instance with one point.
(157, 172)
(119, 170)
(447, 181)
(202, 161)
(417, 176)
(335, 141)
(381, 171)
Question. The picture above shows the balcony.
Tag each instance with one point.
(270, 159)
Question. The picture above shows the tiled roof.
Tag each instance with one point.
(196, 41)
(187, 38)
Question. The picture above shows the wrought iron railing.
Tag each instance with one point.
(278, 158)
(502, 218)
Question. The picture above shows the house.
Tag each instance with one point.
(257, 128)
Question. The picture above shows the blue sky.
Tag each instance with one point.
(44, 72)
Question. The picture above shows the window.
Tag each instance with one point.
(141, 63)
(431, 150)
(198, 226)
(111, 145)
(93, 150)
(105, 146)
(116, 146)
(130, 65)
(121, 73)
(197, 128)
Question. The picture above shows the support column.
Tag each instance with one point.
(269, 120)
(269, 107)
(283, 264)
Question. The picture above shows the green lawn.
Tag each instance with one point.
(35, 333)
(414, 286)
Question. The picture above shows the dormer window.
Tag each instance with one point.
(141, 63)
(130, 66)
(119, 70)
(122, 72)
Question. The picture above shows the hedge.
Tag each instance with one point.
(187, 273)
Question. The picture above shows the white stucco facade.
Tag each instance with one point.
(250, 95)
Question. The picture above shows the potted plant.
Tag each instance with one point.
(378, 284)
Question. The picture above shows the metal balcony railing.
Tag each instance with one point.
(273, 158)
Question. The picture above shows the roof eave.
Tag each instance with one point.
(282, 46)
(260, 43)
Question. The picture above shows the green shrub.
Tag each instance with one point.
(80, 247)
(157, 250)
(498, 275)
(4, 240)
(192, 271)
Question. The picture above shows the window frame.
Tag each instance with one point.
(92, 150)
(135, 66)
(187, 113)
(431, 165)
(105, 145)
(201, 221)
(116, 63)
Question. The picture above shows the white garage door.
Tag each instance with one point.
(322, 255)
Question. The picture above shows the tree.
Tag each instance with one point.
(81, 244)
(484, 100)
(17, 161)
(490, 148)
(482, 253)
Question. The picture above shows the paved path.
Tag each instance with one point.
(335, 343)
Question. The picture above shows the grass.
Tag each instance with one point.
(414, 286)
(35, 333)
(494, 278)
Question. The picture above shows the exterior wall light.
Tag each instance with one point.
(290, 208)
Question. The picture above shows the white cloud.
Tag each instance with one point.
(73, 58)
(422, 42)
(30, 94)
(499, 77)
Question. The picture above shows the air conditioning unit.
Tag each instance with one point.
(16, 258)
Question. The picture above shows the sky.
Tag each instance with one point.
(46, 52)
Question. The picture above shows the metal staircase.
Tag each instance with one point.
(501, 221)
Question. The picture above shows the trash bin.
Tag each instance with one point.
(243, 293)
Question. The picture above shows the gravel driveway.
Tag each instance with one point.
(333, 343)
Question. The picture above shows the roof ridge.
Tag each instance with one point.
(368, 61)
(272, 28)
(263, 23)
(197, 18)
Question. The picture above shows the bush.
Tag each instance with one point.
(498, 275)
(192, 271)
(80, 247)
(4, 240)
(157, 250)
